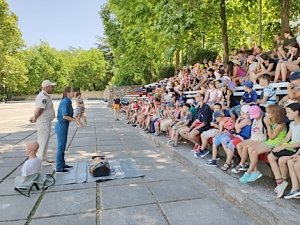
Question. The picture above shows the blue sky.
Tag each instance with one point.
(61, 23)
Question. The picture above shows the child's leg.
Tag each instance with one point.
(254, 152)
(274, 166)
(292, 165)
(282, 162)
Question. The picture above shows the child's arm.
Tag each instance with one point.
(272, 134)
(239, 124)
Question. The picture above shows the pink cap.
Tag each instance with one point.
(254, 112)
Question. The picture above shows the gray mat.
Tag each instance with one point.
(120, 169)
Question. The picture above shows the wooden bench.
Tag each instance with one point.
(281, 90)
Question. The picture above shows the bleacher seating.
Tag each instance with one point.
(281, 90)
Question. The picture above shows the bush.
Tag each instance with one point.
(198, 55)
(166, 72)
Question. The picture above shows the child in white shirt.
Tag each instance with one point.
(33, 164)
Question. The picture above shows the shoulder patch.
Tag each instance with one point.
(44, 101)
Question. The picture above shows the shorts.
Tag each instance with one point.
(116, 106)
(202, 129)
(180, 128)
(283, 153)
(210, 133)
(221, 139)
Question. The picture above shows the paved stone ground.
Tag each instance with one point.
(168, 194)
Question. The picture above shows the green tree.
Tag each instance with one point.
(11, 66)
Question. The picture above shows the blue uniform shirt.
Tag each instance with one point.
(64, 109)
(250, 97)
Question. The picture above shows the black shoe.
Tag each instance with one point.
(64, 171)
(67, 167)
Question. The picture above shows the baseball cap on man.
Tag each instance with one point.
(295, 75)
(47, 83)
(254, 111)
(248, 83)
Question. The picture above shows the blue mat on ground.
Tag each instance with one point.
(120, 169)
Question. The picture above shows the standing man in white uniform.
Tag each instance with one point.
(43, 116)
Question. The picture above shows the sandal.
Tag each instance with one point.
(226, 166)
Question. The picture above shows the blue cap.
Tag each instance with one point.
(248, 83)
(217, 114)
(295, 75)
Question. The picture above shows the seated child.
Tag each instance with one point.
(242, 127)
(249, 97)
(294, 171)
(33, 164)
(283, 151)
(226, 125)
(276, 129)
(268, 95)
(201, 151)
(258, 135)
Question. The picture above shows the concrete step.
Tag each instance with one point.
(257, 199)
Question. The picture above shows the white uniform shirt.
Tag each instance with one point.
(31, 166)
(44, 101)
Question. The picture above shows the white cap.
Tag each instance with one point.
(190, 101)
(47, 83)
(245, 108)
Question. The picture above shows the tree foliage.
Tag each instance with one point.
(147, 36)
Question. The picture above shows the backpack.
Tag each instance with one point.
(25, 184)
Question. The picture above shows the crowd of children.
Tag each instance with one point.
(255, 125)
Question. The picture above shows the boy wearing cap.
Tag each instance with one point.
(249, 97)
(43, 116)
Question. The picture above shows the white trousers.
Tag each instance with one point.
(43, 132)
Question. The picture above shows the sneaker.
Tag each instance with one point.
(211, 163)
(64, 171)
(281, 188)
(217, 159)
(67, 167)
(244, 167)
(254, 176)
(205, 152)
(245, 177)
(170, 143)
(197, 154)
(240, 168)
(292, 194)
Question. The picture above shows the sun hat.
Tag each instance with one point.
(245, 108)
(254, 111)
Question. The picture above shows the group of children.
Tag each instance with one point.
(258, 125)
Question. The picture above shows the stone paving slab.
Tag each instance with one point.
(142, 215)
(176, 190)
(120, 182)
(13, 207)
(19, 222)
(70, 187)
(11, 162)
(156, 174)
(67, 202)
(116, 154)
(125, 196)
(78, 219)
(203, 211)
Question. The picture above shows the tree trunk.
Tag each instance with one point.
(285, 14)
(177, 59)
(224, 31)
